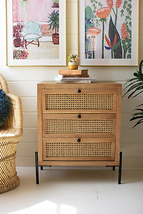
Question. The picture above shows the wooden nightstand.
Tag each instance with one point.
(79, 125)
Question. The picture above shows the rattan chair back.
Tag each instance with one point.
(10, 133)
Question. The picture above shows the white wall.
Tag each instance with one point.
(23, 81)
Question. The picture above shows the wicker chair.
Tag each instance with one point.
(10, 134)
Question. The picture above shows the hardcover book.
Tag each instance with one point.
(72, 72)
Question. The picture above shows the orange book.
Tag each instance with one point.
(72, 72)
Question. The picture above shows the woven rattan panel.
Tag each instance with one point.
(8, 173)
(82, 149)
(73, 126)
(79, 101)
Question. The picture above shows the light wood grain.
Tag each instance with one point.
(59, 142)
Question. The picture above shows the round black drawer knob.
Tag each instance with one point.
(78, 140)
(79, 116)
(79, 91)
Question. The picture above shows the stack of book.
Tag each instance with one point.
(74, 76)
(74, 73)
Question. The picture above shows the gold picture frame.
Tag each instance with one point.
(105, 27)
(36, 38)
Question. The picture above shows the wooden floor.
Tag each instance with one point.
(75, 191)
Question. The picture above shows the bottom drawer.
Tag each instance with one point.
(79, 149)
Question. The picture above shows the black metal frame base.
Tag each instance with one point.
(120, 169)
(37, 169)
(36, 166)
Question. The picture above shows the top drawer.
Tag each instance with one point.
(85, 100)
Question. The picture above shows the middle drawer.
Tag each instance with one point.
(77, 125)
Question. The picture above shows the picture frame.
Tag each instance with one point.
(36, 32)
(108, 32)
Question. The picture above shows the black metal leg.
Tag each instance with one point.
(36, 165)
(112, 166)
(120, 169)
(43, 166)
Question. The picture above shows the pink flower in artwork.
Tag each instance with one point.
(93, 31)
(118, 3)
(124, 31)
(103, 12)
(110, 3)
(20, 54)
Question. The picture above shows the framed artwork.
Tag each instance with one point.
(108, 32)
(36, 32)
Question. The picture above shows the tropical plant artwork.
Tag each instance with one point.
(35, 32)
(108, 35)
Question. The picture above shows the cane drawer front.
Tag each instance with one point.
(70, 101)
(74, 125)
(79, 149)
